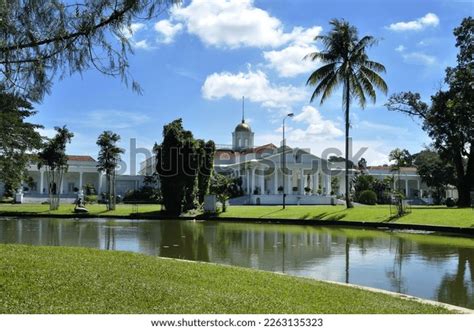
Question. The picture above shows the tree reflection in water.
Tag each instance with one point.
(458, 288)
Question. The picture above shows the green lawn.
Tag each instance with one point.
(437, 216)
(422, 215)
(79, 280)
(68, 209)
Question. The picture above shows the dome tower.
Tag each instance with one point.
(242, 137)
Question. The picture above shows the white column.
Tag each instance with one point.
(99, 185)
(41, 187)
(302, 182)
(289, 182)
(275, 181)
(247, 174)
(261, 180)
(406, 187)
(61, 188)
(80, 181)
(329, 184)
(316, 182)
(252, 187)
(326, 184)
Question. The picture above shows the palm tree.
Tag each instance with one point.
(109, 156)
(345, 62)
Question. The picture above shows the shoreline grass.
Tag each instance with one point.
(425, 215)
(81, 280)
(421, 215)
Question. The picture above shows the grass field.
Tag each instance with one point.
(79, 280)
(421, 215)
(94, 209)
(435, 216)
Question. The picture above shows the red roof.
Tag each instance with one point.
(388, 167)
(80, 158)
(260, 149)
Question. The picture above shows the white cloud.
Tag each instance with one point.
(253, 85)
(232, 23)
(167, 30)
(47, 132)
(115, 119)
(400, 48)
(415, 57)
(317, 125)
(429, 19)
(130, 34)
(419, 58)
(289, 61)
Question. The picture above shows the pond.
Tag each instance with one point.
(428, 265)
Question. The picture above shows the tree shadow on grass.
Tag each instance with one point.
(325, 216)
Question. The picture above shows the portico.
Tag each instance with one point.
(304, 178)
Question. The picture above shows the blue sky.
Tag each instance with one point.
(197, 61)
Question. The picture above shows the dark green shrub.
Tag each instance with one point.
(90, 199)
(368, 197)
(450, 202)
(145, 194)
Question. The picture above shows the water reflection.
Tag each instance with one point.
(425, 265)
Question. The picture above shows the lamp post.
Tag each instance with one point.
(284, 159)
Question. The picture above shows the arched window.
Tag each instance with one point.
(239, 142)
(246, 142)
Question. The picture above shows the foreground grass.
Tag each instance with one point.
(435, 215)
(78, 280)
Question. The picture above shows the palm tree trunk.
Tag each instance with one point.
(347, 96)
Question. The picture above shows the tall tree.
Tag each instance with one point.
(449, 120)
(42, 38)
(18, 139)
(183, 165)
(54, 159)
(345, 62)
(435, 172)
(107, 162)
(176, 166)
(206, 152)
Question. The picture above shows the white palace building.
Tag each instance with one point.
(307, 178)
(82, 171)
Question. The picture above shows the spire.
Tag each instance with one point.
(243, 109)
